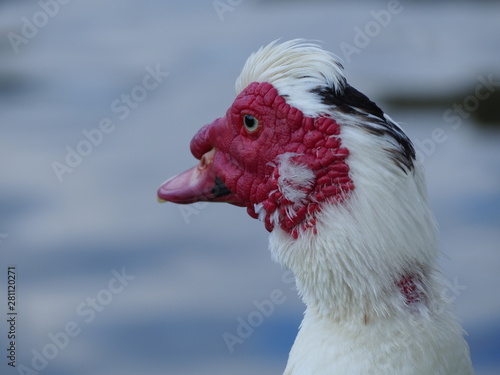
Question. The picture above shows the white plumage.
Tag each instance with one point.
(357, 320)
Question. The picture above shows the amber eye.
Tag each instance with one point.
(251, 123)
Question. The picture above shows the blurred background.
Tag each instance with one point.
(98, 103)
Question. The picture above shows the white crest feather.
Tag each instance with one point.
(294, 68)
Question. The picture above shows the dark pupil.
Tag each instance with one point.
(249, 121)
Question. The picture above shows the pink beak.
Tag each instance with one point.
(196, 184)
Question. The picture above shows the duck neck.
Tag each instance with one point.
(356, 276)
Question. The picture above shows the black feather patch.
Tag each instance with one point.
(348, 100)
(352, 102)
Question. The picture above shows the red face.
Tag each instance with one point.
(241, 157)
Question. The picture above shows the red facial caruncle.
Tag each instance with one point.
(269, 157)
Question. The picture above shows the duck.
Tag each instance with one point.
(338, 186)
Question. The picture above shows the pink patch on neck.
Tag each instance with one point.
(410, 290)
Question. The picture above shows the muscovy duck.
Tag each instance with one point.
(337, 184)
